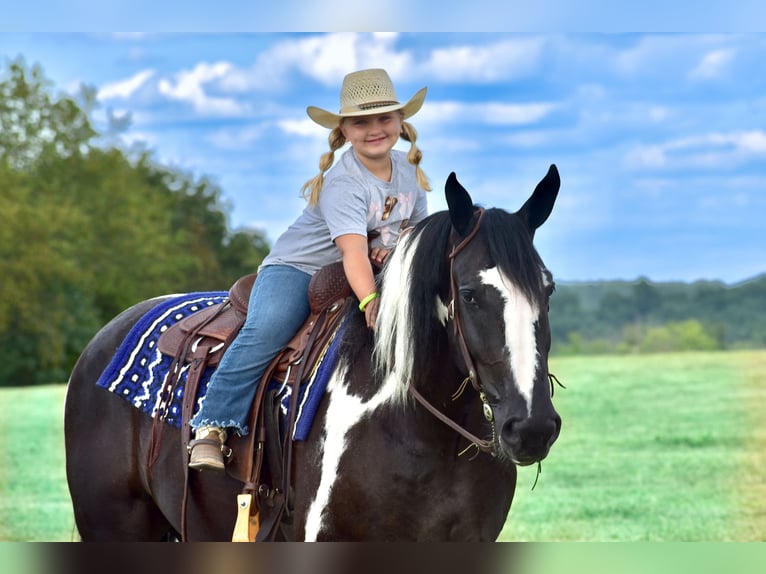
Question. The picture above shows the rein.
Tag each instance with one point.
(482, 445)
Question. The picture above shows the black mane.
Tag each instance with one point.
(509, 245)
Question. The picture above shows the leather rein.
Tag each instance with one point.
(481, 444)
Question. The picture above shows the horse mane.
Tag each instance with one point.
(414, 290)
(510, 246)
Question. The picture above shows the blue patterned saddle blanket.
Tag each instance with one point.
(138, 372)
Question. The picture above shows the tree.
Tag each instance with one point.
(242, 254)
(33, 123)
(647, 299)
(683, 336)
(38, 275)
(566, 315)
(88, 231)
(614, 311)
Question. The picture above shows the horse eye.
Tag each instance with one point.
(467, 295)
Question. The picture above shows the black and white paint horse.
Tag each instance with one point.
(423, 422)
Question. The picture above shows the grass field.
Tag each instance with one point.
(34, 500)
(653, 448)
(659, 448)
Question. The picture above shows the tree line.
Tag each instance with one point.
(90, 228)
(642, 316)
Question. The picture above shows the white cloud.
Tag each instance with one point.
(705, 151)
(750, 141)
(125, 88)
(486, 63)
(713, 64)
(439, 113)
(649, 51)
(646, 157)
(754, 141)
(515, 114)
(673, 55)
(325, 58)
(489, 113)
(190, 86)
(305, 127)
(528, 139)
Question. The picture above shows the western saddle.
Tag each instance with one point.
(200, 340)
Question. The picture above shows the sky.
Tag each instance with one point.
(659, 137)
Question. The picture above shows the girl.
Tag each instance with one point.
(373, 189)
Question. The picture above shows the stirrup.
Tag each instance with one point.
(208, 451)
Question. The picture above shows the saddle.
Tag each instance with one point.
(201, 339)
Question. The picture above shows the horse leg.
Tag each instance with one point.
(102, 433)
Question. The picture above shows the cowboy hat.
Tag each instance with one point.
(364, 93)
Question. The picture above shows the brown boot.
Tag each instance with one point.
(207, 448)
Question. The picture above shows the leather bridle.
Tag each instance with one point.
(473, 378)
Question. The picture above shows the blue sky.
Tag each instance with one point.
(660, 138)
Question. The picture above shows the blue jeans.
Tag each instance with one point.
(278, 307)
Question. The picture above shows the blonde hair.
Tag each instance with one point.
(414, 156)
(313, 187)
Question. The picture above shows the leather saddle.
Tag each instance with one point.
(214, 328)
(201, 339)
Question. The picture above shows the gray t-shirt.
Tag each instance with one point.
(352, 200)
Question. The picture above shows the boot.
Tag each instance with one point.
(207, 448)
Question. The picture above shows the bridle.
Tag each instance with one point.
(473, 378)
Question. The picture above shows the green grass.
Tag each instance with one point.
(34, 500)
(658, 447)
(653, 447)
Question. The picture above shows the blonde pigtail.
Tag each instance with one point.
(414, 156)
(313, 187)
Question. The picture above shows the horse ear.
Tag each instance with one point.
(460, 205)
(539, 206)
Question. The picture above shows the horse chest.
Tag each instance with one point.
(420, 494)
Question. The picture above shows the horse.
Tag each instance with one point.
(423, 422)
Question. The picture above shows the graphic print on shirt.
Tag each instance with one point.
(385, 217)
(388, 206)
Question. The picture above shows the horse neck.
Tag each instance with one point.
(445, 386)
(442, 422)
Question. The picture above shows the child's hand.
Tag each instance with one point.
(371, 313)
(378, 255)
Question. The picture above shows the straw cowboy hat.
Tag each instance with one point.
(364, 93)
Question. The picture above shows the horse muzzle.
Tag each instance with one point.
(528, 440)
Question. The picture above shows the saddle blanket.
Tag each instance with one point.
(138, 372)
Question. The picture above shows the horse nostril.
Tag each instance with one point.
(530, 434)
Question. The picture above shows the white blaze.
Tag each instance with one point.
(520, 315)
